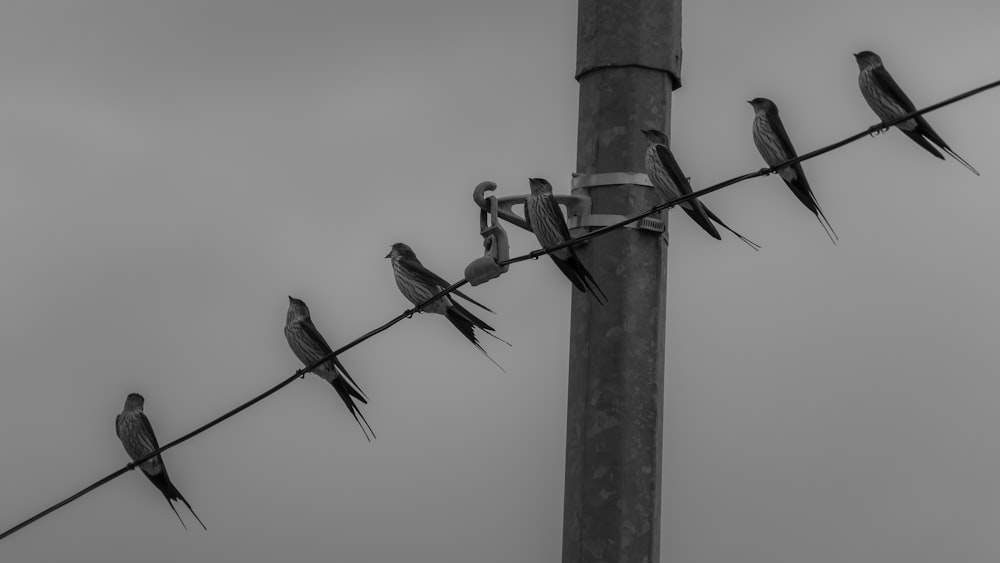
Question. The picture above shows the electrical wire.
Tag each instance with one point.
(873, 130)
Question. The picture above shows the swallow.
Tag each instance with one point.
(418, 284)
(888, 101)
(547, 222)
(671, 183)
(137, 437)
(309, 347)
(772, 142)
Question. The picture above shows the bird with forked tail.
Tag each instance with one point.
(888, 101)
(549, 226)
(772, 142)
(138, 439)
(309, 347)
(418, 284)
(671, 183)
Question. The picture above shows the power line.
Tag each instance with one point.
(534, 254)
(874, 129)
(232, 412)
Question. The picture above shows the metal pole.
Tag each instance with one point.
(628, 63)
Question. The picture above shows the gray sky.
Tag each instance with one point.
(172, 170)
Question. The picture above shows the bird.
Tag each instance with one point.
(671, 183)
(418, 284)
(546, 220)
(138, 439)
(309, 346)
(772, 142)
(888, 101)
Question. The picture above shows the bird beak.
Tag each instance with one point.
(749, 102)
(388, 255)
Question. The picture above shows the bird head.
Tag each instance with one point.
(539, 186)
(761, 104)
(134, 402)
(867, 59)
(400, 250)
(655, 136)
(297, 310)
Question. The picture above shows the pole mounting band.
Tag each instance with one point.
(610, 179)
(603, 220)
(651, 224)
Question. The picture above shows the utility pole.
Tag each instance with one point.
(628, 63)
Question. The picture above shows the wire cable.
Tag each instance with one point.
(534, 254)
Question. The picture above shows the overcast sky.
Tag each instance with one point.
(171, 171)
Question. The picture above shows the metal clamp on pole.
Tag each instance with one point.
(651, 224)
(576, 205)
(497, 249)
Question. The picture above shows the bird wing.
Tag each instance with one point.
(147, 434)
(313, 333)
(148, 439)
(882, 77)
(428, 277)
(695, 209)
(552, 207)
(798, 175)
(885, 81)
(779, 130)
(697, 212)
(422, 274)
(673, 169)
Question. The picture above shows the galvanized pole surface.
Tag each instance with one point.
(628, 63)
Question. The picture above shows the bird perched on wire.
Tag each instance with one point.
(418, 284)
(309, 347)
(772, 142)
(888, 101)
(138, 439)
(546, 220)
(671, 183)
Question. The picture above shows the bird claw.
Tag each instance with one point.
(765, 172)
(879, 129)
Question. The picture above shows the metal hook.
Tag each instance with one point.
(504, 205)
(497, 249)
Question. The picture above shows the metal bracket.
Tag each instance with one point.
(576, 205)
(497, 249)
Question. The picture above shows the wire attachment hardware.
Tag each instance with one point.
(650, 224)
(497, 249)
(576, 205)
